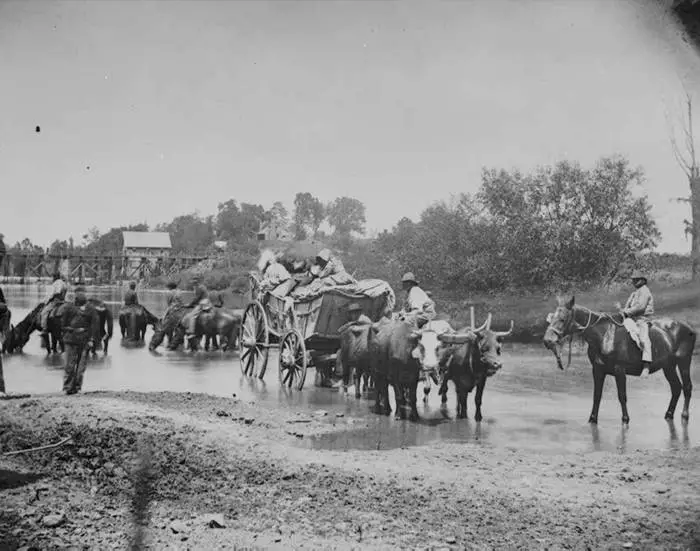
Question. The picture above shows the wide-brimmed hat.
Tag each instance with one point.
(408, 276)
(639, 275)
(355, 307)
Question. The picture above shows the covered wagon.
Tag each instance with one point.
(304, 326)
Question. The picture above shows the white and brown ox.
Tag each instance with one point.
(467, 357)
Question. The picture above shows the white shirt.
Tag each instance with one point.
(417, 299)
(57, 287)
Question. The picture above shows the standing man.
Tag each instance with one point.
(199, 301)
(80, 323)
(56, 293)
(640, 309)
(419, 308)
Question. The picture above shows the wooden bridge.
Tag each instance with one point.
(94, 269)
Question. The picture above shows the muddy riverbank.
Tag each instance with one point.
(239, 465)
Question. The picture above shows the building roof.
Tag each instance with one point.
(147, 239)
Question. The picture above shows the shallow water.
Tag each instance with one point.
(528, 406)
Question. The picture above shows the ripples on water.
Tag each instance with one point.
(529, 406)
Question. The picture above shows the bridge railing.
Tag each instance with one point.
(91, 268)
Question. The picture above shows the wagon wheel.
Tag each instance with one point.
(293, 362)
(254, 342)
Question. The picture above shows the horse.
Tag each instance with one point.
(612, 351)
(216, 322)
(19, 335)
(134, 320)
(166, 326)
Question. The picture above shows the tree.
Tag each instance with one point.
(278, 214)
(234, 223)
(346, 215)
(190, 232)
(112, 242)
(308, 214)
(689, 164)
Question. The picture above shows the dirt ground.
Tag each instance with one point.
(223, 474)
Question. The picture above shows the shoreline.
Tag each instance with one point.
(237, 462)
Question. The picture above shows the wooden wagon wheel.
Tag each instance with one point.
(254, 342)
(292, 360)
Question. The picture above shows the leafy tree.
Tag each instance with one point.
(278, 214)
(309, 213)
(346, 215)
(234, 223)
(190, 233)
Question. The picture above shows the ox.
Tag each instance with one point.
(354, 355)
(391, 344)
(612, 351)
(468, 358)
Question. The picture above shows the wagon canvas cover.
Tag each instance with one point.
(323, 311)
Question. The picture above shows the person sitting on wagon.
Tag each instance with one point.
(274, 274)
(356, 315)
(418, 308)
(330, 270)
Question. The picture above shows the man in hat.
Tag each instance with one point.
(356, 315)
(55, 294)
(640, 308)
(419, 308)
(80, 322)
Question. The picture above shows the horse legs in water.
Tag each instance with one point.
(598, 382)
(684, 368)
(621, 380)
(676, 386)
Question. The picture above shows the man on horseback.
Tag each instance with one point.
(55, 294)
(130, 297)
(199, 303)
(640, 308)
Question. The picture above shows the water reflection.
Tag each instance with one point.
(528, 406)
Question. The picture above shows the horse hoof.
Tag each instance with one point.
(478, 418)
(685, 416)
(668, 416)
(593, 420)
(625, 421)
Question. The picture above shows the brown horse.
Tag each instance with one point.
(612, 351)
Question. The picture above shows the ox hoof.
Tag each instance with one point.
(593, 420)
(625, 420)
(685, 416)
(668, 416)
(478, 417)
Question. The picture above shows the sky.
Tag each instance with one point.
(149, 110)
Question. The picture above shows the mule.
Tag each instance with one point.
(612, 351)
(217, 322)
(133, 322)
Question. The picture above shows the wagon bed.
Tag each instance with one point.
(305, 328)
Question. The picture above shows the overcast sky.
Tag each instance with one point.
(177, 106)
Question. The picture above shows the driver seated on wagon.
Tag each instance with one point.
(418, 308)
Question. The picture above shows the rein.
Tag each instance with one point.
(578, 328)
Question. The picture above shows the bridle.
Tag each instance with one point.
(572, 326)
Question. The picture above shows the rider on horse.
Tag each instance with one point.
(130, 297)
(56, 293)
(640, 308)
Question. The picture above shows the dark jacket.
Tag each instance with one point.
(200, 293)
(131, 298)
(80, 323)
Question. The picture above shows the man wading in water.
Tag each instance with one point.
(80, 322)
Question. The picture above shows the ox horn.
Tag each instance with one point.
(505, 333)
(485, 325)
(455, 338)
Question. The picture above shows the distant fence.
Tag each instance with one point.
(93, 269)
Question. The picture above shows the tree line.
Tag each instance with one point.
(558, 224)
(237, 224)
